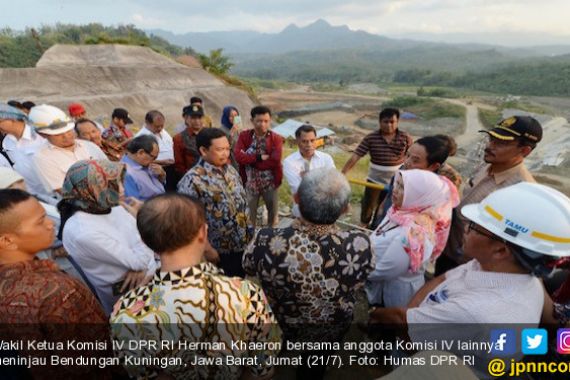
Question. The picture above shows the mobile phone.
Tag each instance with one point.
(237, 120)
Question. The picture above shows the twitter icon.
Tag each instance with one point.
(534, 341)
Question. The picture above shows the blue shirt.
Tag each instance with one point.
(140, 182)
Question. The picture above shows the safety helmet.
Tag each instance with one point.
(50, 120)
(533, 217)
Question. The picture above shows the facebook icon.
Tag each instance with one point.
(503, 342)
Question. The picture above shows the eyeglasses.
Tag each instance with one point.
(481, 231)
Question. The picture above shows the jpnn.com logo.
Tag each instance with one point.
(503, 342)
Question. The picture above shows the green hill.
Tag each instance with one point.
(24, 49)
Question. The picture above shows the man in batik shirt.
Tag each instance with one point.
(189, 302)
(217, 184)
(117, 136)
(312, 270)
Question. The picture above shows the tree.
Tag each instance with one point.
(216, 62)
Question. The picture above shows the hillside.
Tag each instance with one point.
(103, 77)
(24, 49)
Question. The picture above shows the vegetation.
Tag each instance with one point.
(437, 92)
(24, 49)
(216, 62)
(427, 109)
(489, 118)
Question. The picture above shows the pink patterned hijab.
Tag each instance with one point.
(425, 213)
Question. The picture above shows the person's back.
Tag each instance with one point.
(99, 233)
(106, 247)
(189, 303)
(311, 270)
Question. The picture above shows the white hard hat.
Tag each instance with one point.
(50, 120)
(532, 216)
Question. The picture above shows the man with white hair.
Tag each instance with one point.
(62, 150)
(311, 270)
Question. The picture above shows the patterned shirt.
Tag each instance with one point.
(40, 302)
(197, 305)
(116, 139)
(223, 196)
(478, 187)
(310, 274)
(382, 152)
(258, 181)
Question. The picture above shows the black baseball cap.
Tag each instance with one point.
(123, 114)
(517, 127)
(193, 110)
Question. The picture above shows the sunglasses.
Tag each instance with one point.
(481, 231)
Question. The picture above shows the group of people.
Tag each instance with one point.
(161, 232)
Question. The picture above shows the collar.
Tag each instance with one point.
(185, 274)
(209, 167)
(314, 229)
(506, 174)
(78, 144)
(132, 163)
(301, 158)
(154, 134)
(19, 269)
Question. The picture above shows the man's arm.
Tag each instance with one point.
(243, 158)
(425, 290)
(274, 159)
(350, 163)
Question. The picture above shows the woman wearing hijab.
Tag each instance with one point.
(413, 232)
(99, 231)
(231, 125)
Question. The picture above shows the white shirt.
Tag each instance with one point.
(470, 303)
(22, 152)
(471, 295)
(165, 144)
(391, 282)
(295, 164)
(52, 162)
(4, 162)
(106, 247)
(392, 261)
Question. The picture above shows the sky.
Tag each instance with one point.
(509, 22)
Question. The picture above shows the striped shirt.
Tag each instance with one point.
(382, 152)
(476, 189)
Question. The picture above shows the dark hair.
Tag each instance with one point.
(260, 110)
(388, 113)
(450, 142)
(437, 148)
(28, 105)
(206, 135)
(81, 121)
(196, 99)
(170, 221)
(9, 198)
(144, 142)
(151, 115)
(305, 128)
(15, 103)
